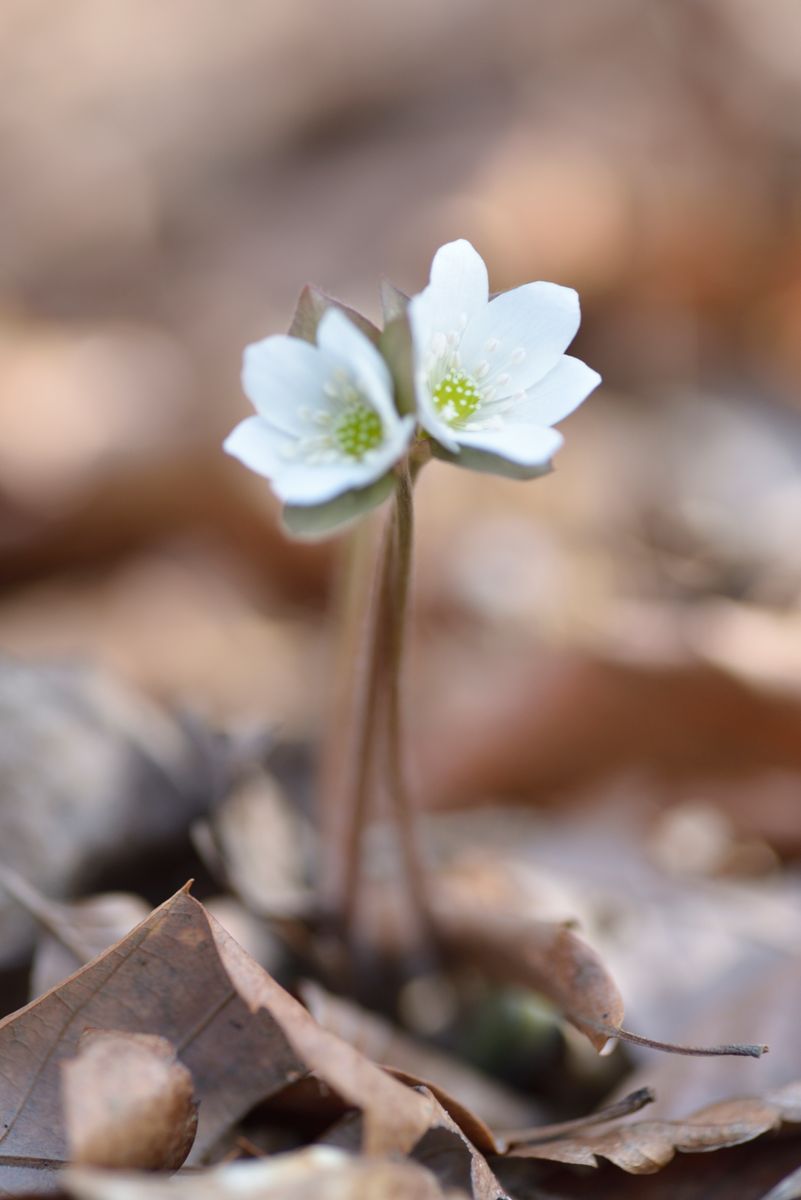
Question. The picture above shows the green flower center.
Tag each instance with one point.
(456, 397)
(358, 429)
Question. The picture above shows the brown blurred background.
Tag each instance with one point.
(172, 173)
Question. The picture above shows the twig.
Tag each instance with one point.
(611, 1112)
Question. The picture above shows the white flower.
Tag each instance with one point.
(326, 422)
(491, 376)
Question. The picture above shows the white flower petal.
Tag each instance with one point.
(340, 340)
(261, 449)
(258, 445)
(458, 291)
(295, 481)
(557, 395)
(459, 271)
(301, 483)
(520, 336)
(282, 374)
(528, 445)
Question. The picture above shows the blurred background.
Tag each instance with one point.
(620, 638)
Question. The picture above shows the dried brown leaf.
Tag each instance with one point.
(319, 1173)
(79, 932)
(444, 1149)
(128, 1102)
(394, 1117)
(485, 929)
(72, 934)
(449, 1154)
(471, 1125)
(181, 976)
(643, 1147)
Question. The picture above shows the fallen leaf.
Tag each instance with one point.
(478, 922)
(743, 1172)
(394, 1116)
(318, 1173)
(81, 931)
(128, 1102)
(643, 1147)
(479, 1135)
(243, 1038)
(71, 934)
(447, 1152)
(444, 1149)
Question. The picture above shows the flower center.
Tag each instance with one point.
(456, 397)
(357, 429)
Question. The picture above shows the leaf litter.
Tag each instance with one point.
(179, 984)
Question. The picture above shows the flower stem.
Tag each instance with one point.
(346, 777)
(370, 704)
(339, 785)
(402, 805)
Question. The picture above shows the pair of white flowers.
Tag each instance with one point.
(486, 380)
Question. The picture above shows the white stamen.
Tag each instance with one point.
(492, 344)
(517, 355)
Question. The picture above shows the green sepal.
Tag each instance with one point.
(312, 303)
(395, 344)
(313, 521)
(490, 464)
(394, 302)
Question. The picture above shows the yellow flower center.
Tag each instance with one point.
(456, 397)
(358, 429)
